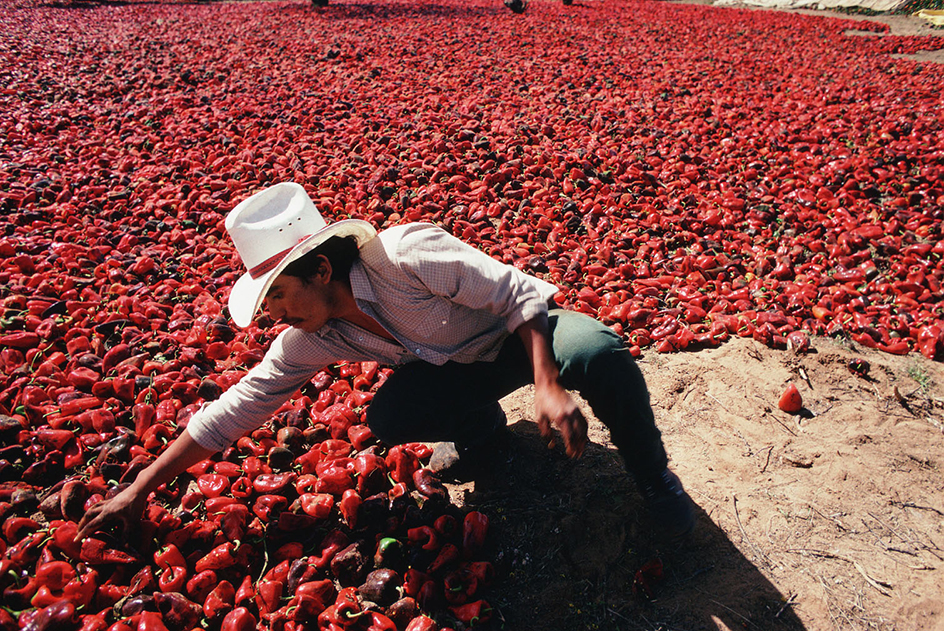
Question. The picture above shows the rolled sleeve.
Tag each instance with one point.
(249, 403)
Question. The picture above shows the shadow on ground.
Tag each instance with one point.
(569, 537)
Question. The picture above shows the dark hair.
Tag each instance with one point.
(341, 252)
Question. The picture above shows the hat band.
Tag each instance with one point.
(269, 264)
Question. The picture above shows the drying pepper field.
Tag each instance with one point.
(695, 177)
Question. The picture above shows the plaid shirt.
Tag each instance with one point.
(441, 299)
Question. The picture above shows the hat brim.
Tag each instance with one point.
(248, 293)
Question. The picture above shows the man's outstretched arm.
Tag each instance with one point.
(128, 505)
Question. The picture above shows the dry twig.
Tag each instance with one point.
(760, 553)
(882, 586)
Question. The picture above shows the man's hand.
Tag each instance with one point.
(553, 406)
(128, 505)
(126, 508)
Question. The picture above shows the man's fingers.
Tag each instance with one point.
(544, 426)
(575, 434)
(92, 521)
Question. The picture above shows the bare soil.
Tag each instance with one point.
(830, 519)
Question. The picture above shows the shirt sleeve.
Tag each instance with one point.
(250, 402)
(450, 268)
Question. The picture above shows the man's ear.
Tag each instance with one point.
(324, 269)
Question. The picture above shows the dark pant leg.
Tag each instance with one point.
(594, 362)
(424, 402)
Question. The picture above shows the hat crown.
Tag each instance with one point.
(266, 226)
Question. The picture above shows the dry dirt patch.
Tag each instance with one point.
(833, 519)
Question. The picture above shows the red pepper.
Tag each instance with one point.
(201, 584)
(215, 505)
(413, 581)
(332, 543)
(246, 591)
(420, 450)
(81, 589)
(151, 621)
(239, 619)
(423, 536)
(402, 463)
(273, 483)
(63, 539)
(254, 466)
(321, 592)
(290, 551)
(172, 579)
(446, 525)
(371, 473)
(220, 558)
(55, 574)
(241, 488)
(22, 339)
(472, 614)
(459, 586)
(380, 622)
(15, 528)
(156, 437)
(278, 573)
(430, 596)
(307, 462)
(268, 594)
(248, 447)
(647, 576)
(44, 597)
(483, 571)
(200, 468)
(233, 521)
(448, 555)
(96, 551)
(267, 507)
(474, 530)
(360, 436)
(93, 622)
(422, 623)
(168, 556)
(220, 600)
(335, 480)
(19, 597)
(399, 489)
(213, 484)
(349, 505)
(229, 469)
(306, 483)
(344, 613)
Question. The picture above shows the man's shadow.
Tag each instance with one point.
(576, 549)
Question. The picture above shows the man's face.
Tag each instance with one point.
(305, 305)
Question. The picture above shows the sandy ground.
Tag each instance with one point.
(831, 519)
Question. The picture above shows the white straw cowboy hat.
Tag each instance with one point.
(273, 228)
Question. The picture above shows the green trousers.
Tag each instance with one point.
(422, 402)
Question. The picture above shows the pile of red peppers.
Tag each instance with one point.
(683, 173)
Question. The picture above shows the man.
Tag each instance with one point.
(462, 329)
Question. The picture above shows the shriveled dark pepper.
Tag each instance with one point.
(474, 531)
